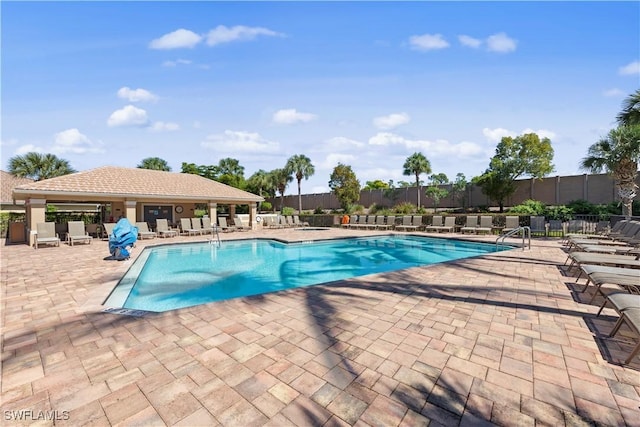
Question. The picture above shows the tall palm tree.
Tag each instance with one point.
(155, 163)
(630, 114)
(229, 171)
(301, 166)
(260, 183)
(618, 154)
(39, 166)
(281, 178)
(416, 164)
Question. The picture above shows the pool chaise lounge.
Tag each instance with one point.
(46, 234)
(77, 232)
(163, 229)
(631, 317)
(144, 232)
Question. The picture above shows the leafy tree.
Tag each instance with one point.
(260, 183)
(618, 154)
(405, 184)
(377, 185)
(208, 172)
(435, 191)
(416, 164)
(459, 189)
(230, 172)
(515, 157)
(301, 166)
(155, 163)
(280, 179)
(630, 114)
(344, 185)
(39, 166)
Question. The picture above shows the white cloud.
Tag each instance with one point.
(240, 141)
(222, 34)
(291, 115)
(164, 127)
(178, 39)
(437, 148)
(428, 42)
(341, 143)
(72, 141)
(136, 95)
(629, 69)
(7, 142)
(176, 63)
(332, 160)
(469, 41)
(495, 135)
(615, 92)
(128, 116)
(391, 121)
(28, 148)
(501, 43)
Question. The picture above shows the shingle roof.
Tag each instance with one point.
(8, 182)
(115, 181)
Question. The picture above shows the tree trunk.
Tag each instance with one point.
(299, 199)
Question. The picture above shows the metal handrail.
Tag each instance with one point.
(215, 231)
(526, 232)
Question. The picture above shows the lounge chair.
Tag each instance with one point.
(555, 226)
(621, 301)
(511, 223)
(144, 232)
(624, 279)
(538, 225)
(449, 224)
(579, 258)
(486, 225)
(371, 222)
(631, 317)
(207, 227)
(163, 229)
(196, 224)
(222, 223)
(297, 222)
(185, 226)
(352, 221)
(77, 232)
(381, 225)
(237, 221)
(107, 229)
(436, 224)
(46, 234)
(271, 222)
(470, 225)
(590, 269)
(406, 224)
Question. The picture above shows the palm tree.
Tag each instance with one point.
(301, 166)
(39, 166)
(416, 164)
(630, 114)
(154, 163)
(281, 178)
(618, 154)
(260, 183)
(229, 171)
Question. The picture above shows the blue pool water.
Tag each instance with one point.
(175, 276)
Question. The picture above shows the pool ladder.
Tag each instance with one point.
(526, 233)
(215, 241)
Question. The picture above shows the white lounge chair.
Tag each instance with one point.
(46, 234)
(144, 232)
(77, 232)
(163, 229)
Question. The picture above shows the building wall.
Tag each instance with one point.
(558, 190)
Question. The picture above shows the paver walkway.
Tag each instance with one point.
(497, 340)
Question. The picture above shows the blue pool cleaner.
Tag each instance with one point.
(122, 238)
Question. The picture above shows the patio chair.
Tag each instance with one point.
(371, 222)
(185, 226)
(624, 279)
(486, 225)
(436, 224)
(406, 224)
(237, 221)
(538, 225)
(418, 222)
(511, 223)
(196, 224)
(46, 234)
(107, 228)
(622, 301)
(555, 227)
(207, 227)
(297, 222)
(226, 228)
(470, 225)
(579, 258)
(631, 317)
(144, 232)
(380, 222)
(77, 232)
(163, 229)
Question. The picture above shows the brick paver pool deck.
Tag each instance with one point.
(502, 339)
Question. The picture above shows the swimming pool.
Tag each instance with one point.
(175, 276)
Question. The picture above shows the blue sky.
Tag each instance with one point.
(362, 83)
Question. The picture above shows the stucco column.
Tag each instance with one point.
(36, 209)
(130, 210)
(232, 211)
(253, 213)
(213, 212)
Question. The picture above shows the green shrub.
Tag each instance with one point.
(266, 206)
(318, 210)
(563, 213)
(286, 211)
(529, 207)
(404, 208)
(357, 209)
